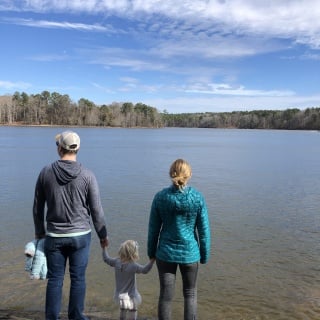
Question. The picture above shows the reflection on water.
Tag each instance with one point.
(262, 190)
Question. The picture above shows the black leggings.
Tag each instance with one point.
(167, 276)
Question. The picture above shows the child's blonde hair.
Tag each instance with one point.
(128, 251)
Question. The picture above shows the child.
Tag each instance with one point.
(126, 294)
(35, 259)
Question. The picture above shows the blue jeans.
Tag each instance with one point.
(58, 251)
(167, 276)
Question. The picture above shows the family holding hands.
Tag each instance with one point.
(67, 199)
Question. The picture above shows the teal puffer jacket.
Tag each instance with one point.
(179, 229)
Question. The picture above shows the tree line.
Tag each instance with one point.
(290, 119)
(56, 109)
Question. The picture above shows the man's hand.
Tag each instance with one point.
(104, 242)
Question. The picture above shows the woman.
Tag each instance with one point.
(179, 235)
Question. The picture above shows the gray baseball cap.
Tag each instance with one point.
(68, 140)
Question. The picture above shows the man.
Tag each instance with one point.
(71, 194)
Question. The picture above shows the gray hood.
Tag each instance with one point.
(66, 170)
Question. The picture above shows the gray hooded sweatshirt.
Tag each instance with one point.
(71, 195)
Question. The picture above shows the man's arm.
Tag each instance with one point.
(38, 210)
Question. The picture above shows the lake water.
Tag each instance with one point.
(262, 190)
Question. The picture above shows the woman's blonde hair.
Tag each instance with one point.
(129, 251)
(180, 172)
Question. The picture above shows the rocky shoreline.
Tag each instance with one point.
(38, 315)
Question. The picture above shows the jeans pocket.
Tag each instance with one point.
(81, 242)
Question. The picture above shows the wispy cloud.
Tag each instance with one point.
(124, 58)
(207, 53)
(58, 25)
(8, 85)
(216, 29)
(49, 57)
(215, 46)
(311, 56)
(131, 85)
(102, 88)
(228, 90)
(294, 19)
(232, 103)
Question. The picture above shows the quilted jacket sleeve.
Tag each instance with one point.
(203, 228)
(155, 224)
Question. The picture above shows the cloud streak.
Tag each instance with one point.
(58, 25)
(235, 103)
(227, 90)
(9, 85)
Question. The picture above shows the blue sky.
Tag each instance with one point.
(178, 56)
